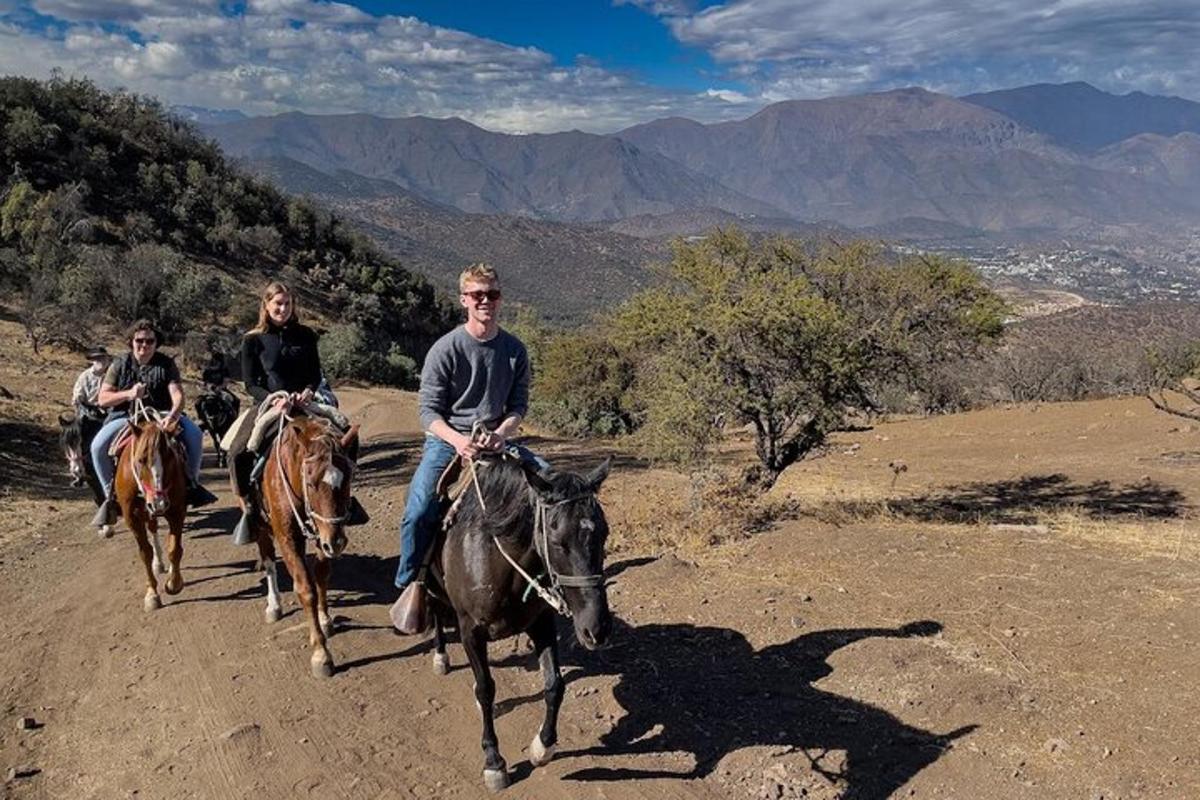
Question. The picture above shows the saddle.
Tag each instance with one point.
(410, 614)
(122, 440)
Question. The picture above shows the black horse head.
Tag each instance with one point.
(569, 533)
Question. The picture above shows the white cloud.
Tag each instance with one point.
(789, 49)
(323, 57)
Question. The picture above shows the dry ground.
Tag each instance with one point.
(1011, 616)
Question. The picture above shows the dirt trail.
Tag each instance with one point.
(871, 659)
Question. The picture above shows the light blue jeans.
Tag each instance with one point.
(421, 516)
(193, 443)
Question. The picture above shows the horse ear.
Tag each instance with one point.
(534, 478)
(350, 437)
(597, 476)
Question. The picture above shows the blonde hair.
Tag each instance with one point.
(270, 290)
(478, 273)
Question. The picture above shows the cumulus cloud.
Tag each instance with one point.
(789, 49)
(327, 57)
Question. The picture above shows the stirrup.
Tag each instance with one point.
(107, 514)
(242, 535)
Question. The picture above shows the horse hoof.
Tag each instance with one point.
(441, 664)
(174, 584)
(273, 615)
(539, 754)
(322, 667)
(495, 779)
(152, 602)
(105, 531)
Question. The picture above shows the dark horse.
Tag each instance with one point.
(217, 409)
(552, 526)
(305, 496)
(76, 437)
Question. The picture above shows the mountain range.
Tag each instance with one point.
(1037, 162)
(1054, 158)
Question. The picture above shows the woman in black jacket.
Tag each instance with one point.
(279, 354)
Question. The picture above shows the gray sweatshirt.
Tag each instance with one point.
(464, 380)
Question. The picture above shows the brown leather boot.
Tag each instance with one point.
(410, 613)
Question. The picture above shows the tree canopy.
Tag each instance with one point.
(92, 181)
(785, 337)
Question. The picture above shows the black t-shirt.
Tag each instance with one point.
(283, 359)
(158, 374)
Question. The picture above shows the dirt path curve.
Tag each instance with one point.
(812, 661)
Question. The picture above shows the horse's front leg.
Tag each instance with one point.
(495, 771)
(174, 583)
(321, 661)
(266, 556)
(441, 661)
(321, 572)
(152, 529)
(137, 524)
(545, 642)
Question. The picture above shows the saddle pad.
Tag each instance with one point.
(122, 439)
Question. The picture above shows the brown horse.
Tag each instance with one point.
(305, 496)
(151, 483)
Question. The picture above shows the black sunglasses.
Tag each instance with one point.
(140, 340)
(479, 294)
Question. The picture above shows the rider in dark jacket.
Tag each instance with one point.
(278, 355)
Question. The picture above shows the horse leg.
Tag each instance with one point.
(159, 562)
(441, 661)
(321, 572)
(175, 553)
(474, 639)
(321, 661)
(545, 641)
(151, 602)
(266, 556)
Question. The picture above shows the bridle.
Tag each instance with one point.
(153, 416)
(553, 593)
(306, 521)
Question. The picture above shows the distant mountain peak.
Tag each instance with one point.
(207, 116)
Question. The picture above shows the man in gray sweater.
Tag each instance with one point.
(475, 373)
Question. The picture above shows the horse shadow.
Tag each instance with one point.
(1021, 500)
(726, 695)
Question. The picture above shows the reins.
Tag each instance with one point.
(552, 594)
(152, 415)
(307, 526)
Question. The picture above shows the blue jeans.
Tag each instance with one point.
(193, 444)
(421, 517)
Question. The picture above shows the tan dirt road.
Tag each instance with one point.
(869, 658)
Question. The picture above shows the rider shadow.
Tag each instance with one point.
(208, 522)
(734, 697)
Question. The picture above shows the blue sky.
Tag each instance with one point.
(598, 65)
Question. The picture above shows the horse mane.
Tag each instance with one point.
(510, 498)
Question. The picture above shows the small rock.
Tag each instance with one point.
(21, 772)
(1010, 632)
(240, 730)
(1054, 745)
(26, 724)
(806, 598)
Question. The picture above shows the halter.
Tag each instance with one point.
(148, 414)
(552, 594)
(307, 526)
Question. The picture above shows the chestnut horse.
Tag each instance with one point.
(305, 496)
(523, 545)
(151, 483)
